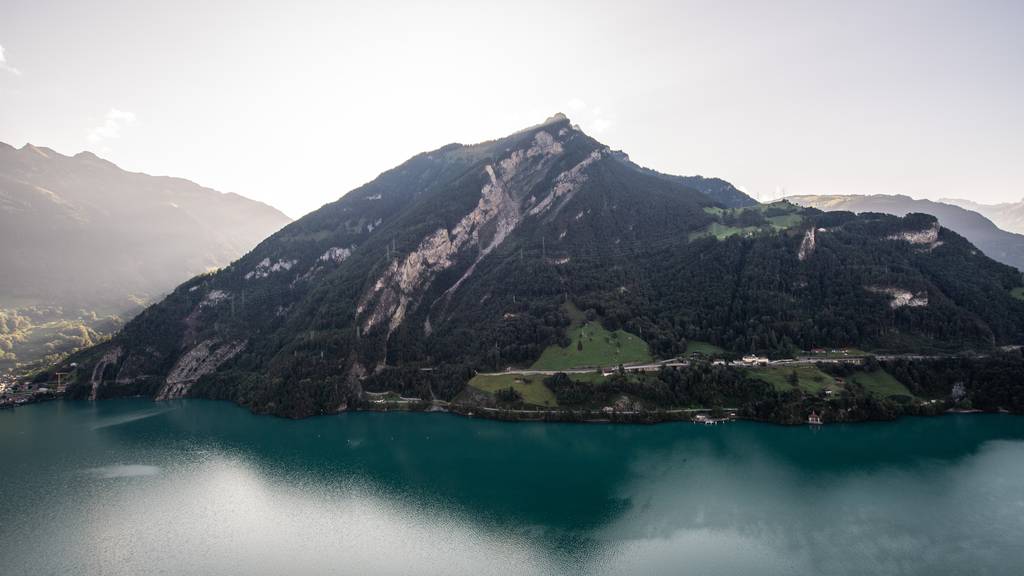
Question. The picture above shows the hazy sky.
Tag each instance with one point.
(295, 103)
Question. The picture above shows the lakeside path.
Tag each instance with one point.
(798, 361)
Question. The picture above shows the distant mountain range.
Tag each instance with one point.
(83, 243)
(1008, 215)
(1006, 247)
(547, 248)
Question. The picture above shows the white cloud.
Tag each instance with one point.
(600, 125)
(593, 119)
(112, 124)
(4, 65)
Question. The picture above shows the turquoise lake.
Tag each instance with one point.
(200, 487)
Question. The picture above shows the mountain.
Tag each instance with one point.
(1008, 216)
(721, 192)
(545, 248)
(1005, 247)
(86, 243)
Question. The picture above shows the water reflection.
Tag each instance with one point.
(770, 515)
(225, 516)
(205, 487)
(124, 471)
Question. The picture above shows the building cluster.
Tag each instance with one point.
(749, 361)
(753, 360)
(14, 392)
(710, 420)
(833, 352)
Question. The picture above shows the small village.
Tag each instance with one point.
(15, 391)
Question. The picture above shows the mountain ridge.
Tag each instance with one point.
(86, 244)
(1007, 215)
(1006, 247)
(466, 258)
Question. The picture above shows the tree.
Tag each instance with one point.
(508, 395)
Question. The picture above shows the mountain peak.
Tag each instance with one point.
(555, 118)
(44, 152)
(481, 257)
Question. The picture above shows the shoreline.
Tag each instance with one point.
(688, 415)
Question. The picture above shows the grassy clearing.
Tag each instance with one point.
(880, 383)
(810, 379)
(785, 221)
(789, 217)
(706, 348)
(721, 231)
(589, 377)
(532, 388)
(1018, 293)
(599, 347)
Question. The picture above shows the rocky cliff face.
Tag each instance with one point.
(927, 238)
(201, 360)
(505, 199)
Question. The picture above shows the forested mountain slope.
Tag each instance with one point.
(465, 258)
(84, 243)
(1000, 245)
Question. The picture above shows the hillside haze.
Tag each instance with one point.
(86, 243)
(480, 257)
(1006, 247)
(1007, 215)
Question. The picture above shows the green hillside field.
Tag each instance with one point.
(600, 347)
(532, 388)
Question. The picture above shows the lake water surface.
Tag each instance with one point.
(198, 487)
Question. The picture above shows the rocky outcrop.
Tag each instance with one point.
(486, 227)
(901, 297)
(213, 298)
(336, 254)
(807, 245)
(332, 257)
(566, 184)
(927, 238)
(201, 360)
(266, 268)
(109, 358)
